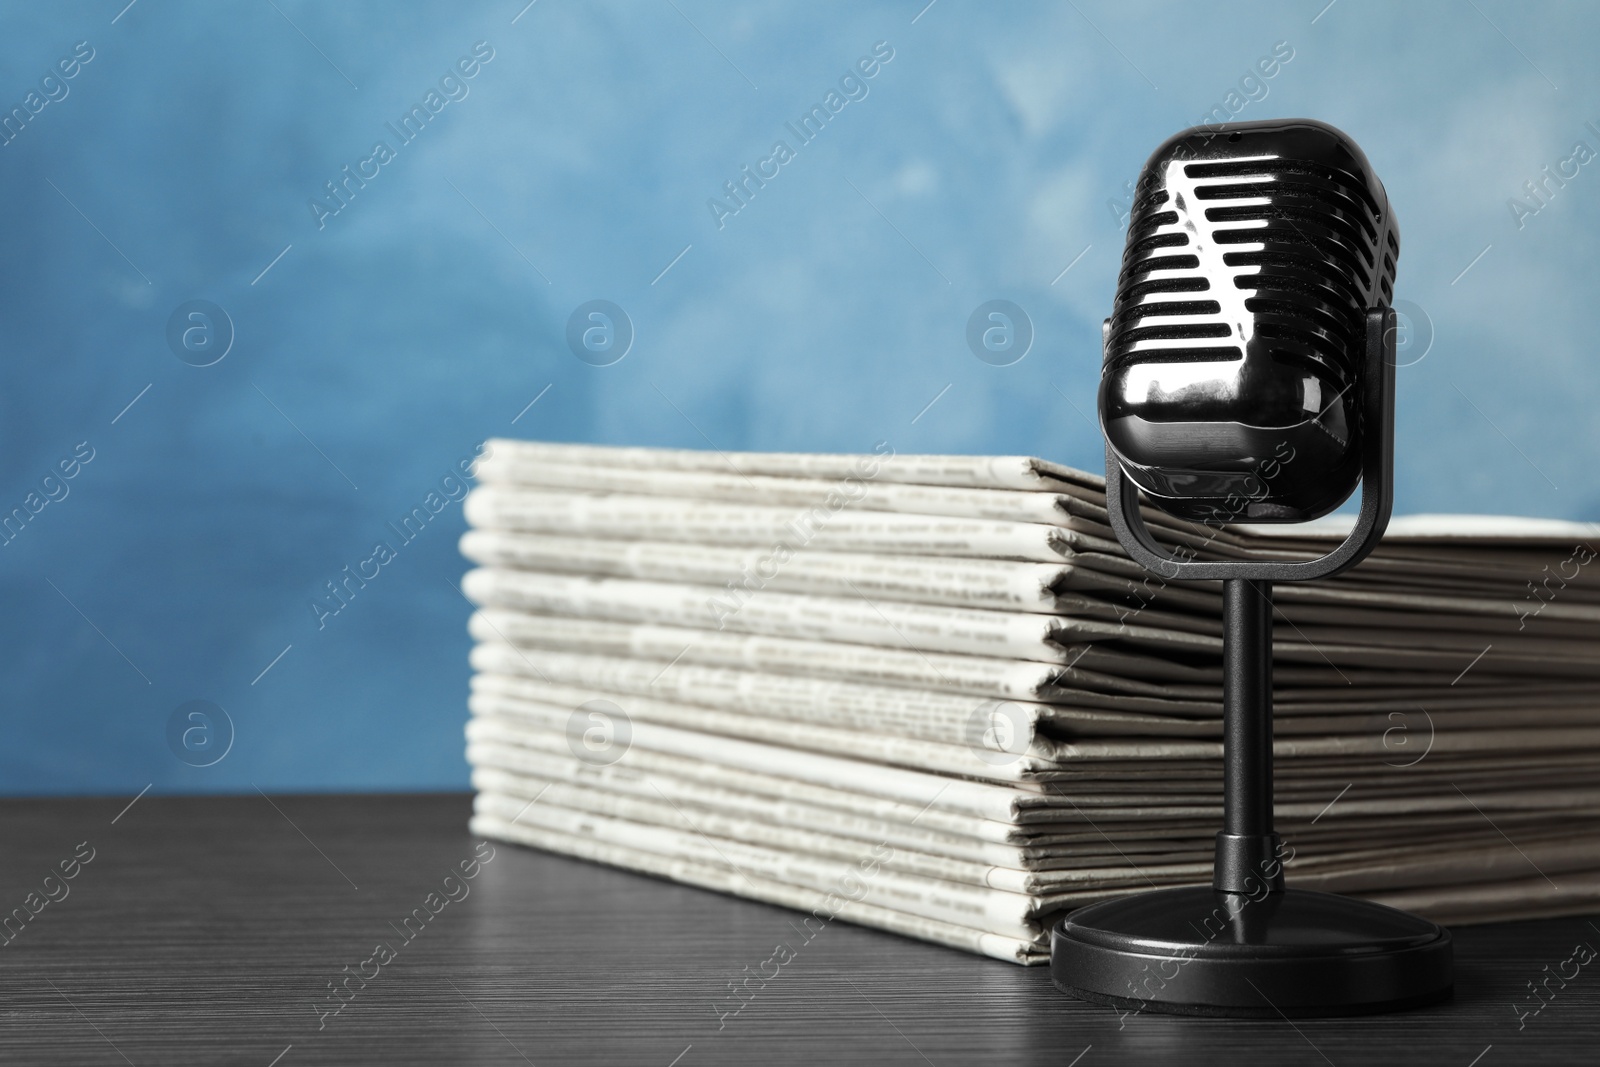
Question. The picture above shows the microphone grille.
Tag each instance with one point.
(1274, 238)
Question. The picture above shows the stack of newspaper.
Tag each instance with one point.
(931, 694)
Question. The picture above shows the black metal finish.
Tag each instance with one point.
(1312, 954)
(1247, 844)
(1195, 951)
(1377, 489)
(1228, 949)
(1253, 251)
(1223, 407)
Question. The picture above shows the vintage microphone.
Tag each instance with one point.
(1249, 376)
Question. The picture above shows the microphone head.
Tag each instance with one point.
(1233, 378)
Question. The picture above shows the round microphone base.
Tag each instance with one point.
(1295, 954)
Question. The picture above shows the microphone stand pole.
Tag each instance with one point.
(1247, 847)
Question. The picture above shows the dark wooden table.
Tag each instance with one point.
(208, 931)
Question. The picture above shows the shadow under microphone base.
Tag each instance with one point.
(1245, 946)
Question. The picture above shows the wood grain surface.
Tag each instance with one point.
(207, 930)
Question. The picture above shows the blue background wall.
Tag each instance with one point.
(989, 154)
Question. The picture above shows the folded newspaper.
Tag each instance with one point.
(931, 694)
